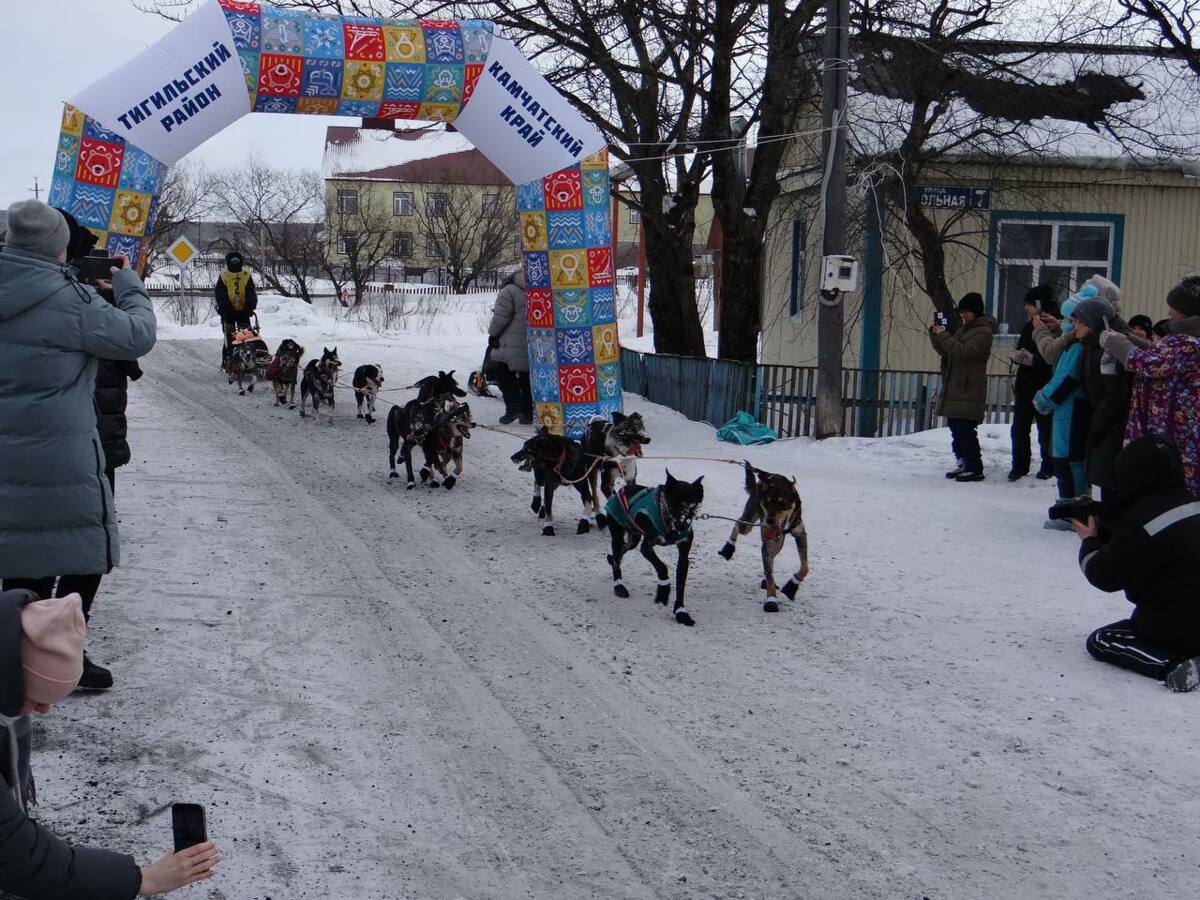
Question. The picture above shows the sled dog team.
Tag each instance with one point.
(438, 424)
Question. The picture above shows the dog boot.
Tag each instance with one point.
(727, 550)
(789, 589)
(1184, 677)
(771, 605)
(450, 481)
(683, 617)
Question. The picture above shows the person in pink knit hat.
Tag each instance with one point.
(41, 659)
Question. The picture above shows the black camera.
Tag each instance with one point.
(98, 265)
(1079, 510)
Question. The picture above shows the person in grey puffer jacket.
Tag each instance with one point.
(510, 350)
(56, 505)
(41, 652)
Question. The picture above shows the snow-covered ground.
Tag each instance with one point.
(383, 694)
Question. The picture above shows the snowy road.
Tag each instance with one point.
(391, 695)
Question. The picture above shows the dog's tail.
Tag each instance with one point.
(751, 476)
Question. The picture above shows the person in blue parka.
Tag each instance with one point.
(1063, 396)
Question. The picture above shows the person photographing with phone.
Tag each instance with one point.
(41, 659)
(1148, 547)
(963, 400)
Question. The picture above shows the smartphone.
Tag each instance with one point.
(94, 268)
(189, 825)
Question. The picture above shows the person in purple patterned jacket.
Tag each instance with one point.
(1166, 378)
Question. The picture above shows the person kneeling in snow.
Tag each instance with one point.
(1148, 548)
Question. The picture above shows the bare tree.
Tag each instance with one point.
(470, 232)
(1175, 23)
(184, 200)
(277, 214)
(358, 235)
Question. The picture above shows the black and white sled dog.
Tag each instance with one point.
(442, 388)
(556, 460)
(366, 383)
(284, 372)
(652, 517)
(774, 504)
(440, 432)
(618, 443)
(243, 367)
(320, 378)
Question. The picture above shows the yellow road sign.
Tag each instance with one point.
(182, 251)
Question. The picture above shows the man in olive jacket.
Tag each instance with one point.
(963, 402)
(56, 505)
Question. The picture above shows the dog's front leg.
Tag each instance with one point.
(772, 543)
(539, 481)
(662, 593)
(793, 584)
(585, 495)
(751, 513)
(617, 535)
(548, 506)
(681, 572)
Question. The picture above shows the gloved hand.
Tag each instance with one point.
(1106, 337)
(494, 341)
(1042, 404)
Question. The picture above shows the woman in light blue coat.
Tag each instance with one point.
(56, 507)
(1062, 396)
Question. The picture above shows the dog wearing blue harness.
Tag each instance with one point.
(651, 517)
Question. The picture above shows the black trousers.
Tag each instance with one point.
(514, 386)
(1120, 644)
(85, 586)
(1025, 416)
(964, 441)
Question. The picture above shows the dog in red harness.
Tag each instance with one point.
(774, 505)
(618, 443)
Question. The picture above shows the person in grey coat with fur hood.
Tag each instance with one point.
(56, 505)
(510, 350)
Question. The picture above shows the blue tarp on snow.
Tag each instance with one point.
(743, 429)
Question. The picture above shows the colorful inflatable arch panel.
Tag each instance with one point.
(230, 58)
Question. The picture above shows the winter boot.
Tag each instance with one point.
(969, 476)
(94, 678)
(1045, 473)
(959, 467)
(508, 418)
(1017, 474)
(1184, 677)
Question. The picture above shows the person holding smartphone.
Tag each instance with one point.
(1032, 373)
(963, 400)
(41, 659)
(1147, 548)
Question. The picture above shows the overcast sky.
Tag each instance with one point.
(54, 48)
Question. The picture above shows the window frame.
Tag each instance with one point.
(435, 246)
(798, 260)
(490, 206)
(399, 239)
(397, 200)
(343, 236)
(430, 207)
(999, 218)
(343, 194)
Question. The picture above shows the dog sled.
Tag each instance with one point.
(480, 382)
(250, 339)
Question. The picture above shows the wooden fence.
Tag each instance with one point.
(875, 403)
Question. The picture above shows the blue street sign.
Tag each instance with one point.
(943, 197)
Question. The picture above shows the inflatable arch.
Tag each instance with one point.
(119, 136)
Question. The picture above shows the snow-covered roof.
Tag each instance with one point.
(429, 153)
(1158, 128)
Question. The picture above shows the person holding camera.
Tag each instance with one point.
(41, 659)
(508, 340)
(1148, 547)
(963, 400)
(1032, 374)
(236, 300)
(1166, 378)
(57, 521)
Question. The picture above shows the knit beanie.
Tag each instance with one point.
(37, 228)
(1185, 296)
(1040, 296)
(972, 303)
(1094, 313)
(52, 633)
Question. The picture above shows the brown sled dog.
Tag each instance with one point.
(774, 503)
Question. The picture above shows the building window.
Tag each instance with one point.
(402, 203)
(634, 216)
(348, 202)
(402, 245)
(796, 284)
(491, 206)
(435, 246)
(1059, 252)
(435, 206)
(348, 243)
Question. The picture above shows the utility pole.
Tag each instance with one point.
(830, 313)
(36, 189)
